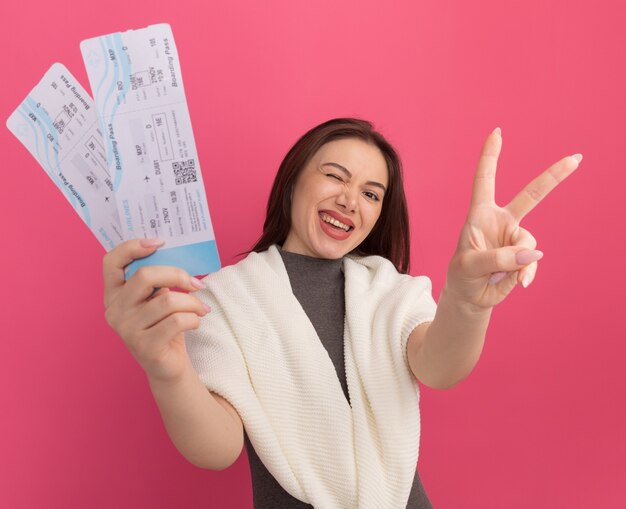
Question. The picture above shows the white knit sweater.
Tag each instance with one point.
(258, 349)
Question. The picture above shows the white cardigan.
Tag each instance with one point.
(258, 349)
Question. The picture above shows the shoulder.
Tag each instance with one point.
(378, 271)
(250, 268)
(239, 284)
(375, 279)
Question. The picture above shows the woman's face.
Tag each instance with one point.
(337, 199)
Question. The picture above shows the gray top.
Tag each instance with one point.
(318, 284)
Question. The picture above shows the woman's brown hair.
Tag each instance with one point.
(390, 235)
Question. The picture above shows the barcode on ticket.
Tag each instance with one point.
(184, 171)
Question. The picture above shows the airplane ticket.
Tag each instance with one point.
(58, 124)
(139, 97)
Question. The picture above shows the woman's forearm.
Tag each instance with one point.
(201, 429)
(453, 342)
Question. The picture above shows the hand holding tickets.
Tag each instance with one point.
(151, 324)
(127, 161)
(494, 252)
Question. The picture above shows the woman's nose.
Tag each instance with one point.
(348, 198)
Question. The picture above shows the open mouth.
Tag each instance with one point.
(335, 223)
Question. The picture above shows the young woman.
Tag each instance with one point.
(311, 347)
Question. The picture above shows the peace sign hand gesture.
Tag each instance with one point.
(494, 253)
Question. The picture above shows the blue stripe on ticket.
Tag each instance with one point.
(197, 259)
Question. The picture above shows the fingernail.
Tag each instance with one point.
(151, 242)
(526, 281)
(578, 157)
(206, 308)
(496, 277)
(497, 131)
(528, 256)
(197, 283)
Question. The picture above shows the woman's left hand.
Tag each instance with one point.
(494, 253)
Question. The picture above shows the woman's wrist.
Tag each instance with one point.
(467, 309)
(166, 382)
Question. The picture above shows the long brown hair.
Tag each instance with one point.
(390, 235)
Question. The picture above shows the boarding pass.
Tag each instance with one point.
(58, 124)
(138, 90)
(127, 162)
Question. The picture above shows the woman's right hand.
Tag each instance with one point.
(152, 324)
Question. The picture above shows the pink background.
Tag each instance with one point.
(540, 422)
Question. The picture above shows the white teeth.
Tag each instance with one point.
(333, 221)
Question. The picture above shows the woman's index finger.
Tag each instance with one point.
(116, 260)
(484, 189)
(529, 197)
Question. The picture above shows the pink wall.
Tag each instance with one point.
(540, 422)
